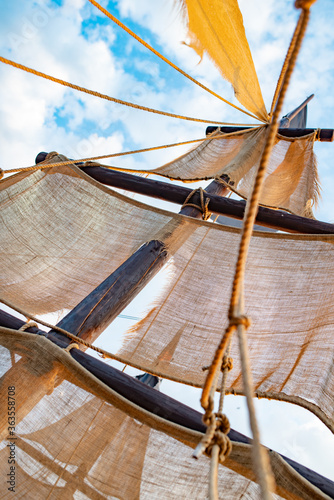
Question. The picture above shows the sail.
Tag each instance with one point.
(216, 27)
(291, 181)
(55, 253)
(73, 435)
(84, 440)
(287, 296)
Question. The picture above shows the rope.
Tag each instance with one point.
(78, 340)
(71, 346)
(149, 47)
(285, 65)
(42, 165)
(203, 207)
(236, 318)
(27, 325)
(98, 94)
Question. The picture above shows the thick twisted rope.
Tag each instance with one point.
(98, 94)
(163, 58)
(236, 318)
(42, 165)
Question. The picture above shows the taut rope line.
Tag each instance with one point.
(140, 40)
(98, 94)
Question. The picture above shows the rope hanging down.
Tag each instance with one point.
(102, 96)
(140, 40)
(237, 321)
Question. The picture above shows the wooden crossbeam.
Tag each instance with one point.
(276, 219)
(324, 134)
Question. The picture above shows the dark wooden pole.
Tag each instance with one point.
(325, 134)
(96, 311)
(152, 400)
(276, 219)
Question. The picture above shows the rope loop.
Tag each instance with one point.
(240, 320)
(27, 325)
(203, 207)
(227, 363)
(72, 345)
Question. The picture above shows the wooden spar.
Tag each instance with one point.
(324, 135)
(276, 219)
(96, 311)
(152, 400)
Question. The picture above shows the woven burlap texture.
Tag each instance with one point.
(64, 233)
(291, 181)
(74, 436)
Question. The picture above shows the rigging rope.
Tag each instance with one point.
(237, 321)
(285, 65)
(41, 166)
(149, 47)
(102, 96)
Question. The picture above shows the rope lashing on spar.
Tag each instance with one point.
(27, 325)
(70, 346)
(204, 203)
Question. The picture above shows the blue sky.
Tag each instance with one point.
(71, 40)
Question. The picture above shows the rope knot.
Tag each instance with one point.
(203, 207)
(222, 423)
(227, 363)
(224, 443)
(240, 320)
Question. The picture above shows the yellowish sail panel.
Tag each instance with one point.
(216, 27)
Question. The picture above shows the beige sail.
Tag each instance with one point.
(67, 233)
(83, 440)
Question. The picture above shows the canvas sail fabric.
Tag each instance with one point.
(288, 297)
(216, 27)
(291, 181)
(64, 233)
(82, 440)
